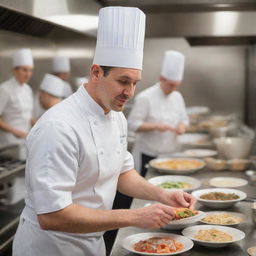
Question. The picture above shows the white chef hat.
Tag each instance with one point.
(53, 85)
(173, 65)
(120, 37)
(60, 64)
(81, 80)
(22, 57)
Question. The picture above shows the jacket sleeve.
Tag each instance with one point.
(52, 166)
(138, 113)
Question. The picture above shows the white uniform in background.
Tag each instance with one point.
(52, 85)
(16, 104)
(61, 64)
(153, 106)
(80, 81)
(76, 152)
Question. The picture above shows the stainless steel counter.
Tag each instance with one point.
(238, 249)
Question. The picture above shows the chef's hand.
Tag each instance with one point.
(153, 216)
(19, 134)
(180, 129)
(178, 198)
(164, 127)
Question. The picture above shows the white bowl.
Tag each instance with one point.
(236, 214)
(129, 242)
(218, 204)
(194, 139)
(195, 183)
(190, 232)
(173, 171)
(227, 182)
(200, 153)
(233, 147)
(183, 223)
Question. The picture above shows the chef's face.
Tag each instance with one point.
(23, 73)
(114, 90)
(168, 86)
(62, 75)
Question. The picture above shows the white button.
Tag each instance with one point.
(118, 152)
(101, 151)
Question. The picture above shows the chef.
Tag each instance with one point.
(159, 114)
(52, 91)
(61, 69)
(77, 155)
(16, 102)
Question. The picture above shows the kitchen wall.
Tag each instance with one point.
(214, 76)
(79, 51)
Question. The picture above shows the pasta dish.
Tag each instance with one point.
(158, 245)
(222, 219)
(213, 235)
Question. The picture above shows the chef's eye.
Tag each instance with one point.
(124, 82)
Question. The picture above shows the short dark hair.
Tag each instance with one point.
(106, 70)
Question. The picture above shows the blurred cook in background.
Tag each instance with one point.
(159, 114)
(80, 81)
(16, 102)
(61, 69)
(52, 91)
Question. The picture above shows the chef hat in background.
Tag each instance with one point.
(173, 66)
(120, 37)
(53, 85)
(80, 80)
(60, 64)
(22, 57)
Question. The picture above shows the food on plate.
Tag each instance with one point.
(182, 213)
(222, 219)
(219, 196)
(158, 245)
(175, 184)
(213, 235)
(179, 164)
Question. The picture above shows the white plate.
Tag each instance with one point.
(129, 241)
(195, 183)
(200, 153)
(236, 214)
(227, 182)
(218, 203)
(195, 139)
(172, 171)
(183, 223)
(190, 232)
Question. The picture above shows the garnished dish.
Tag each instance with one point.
(174, 184)
(223, 218)
(158, 245)
(182, 213)
(179, 164)
(219, 196)
(213, 235)
(155, 244)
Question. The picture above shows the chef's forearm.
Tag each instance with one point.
(132, 184)
(6, 127)
(79, 219)
(147, 127)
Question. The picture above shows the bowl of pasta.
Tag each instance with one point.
(213, 235)
(219, 197)
(170, 182)
(177, 165)
(157, 244)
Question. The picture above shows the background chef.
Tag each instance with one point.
(52, 91)
(159, 113)
(16, 102)
(72, 181)
(60, 69)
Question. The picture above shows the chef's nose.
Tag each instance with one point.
(129, 91)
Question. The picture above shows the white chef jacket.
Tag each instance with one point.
(75, 155)
(152, 105)
(16, 107)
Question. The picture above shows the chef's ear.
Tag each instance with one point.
(96, 72)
